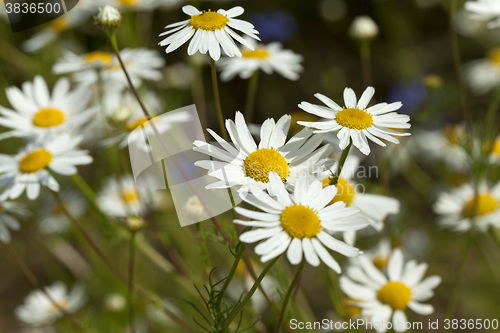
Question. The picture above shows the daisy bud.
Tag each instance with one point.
(363, 28)
(134, 223)
(433, 82)
(109, 18)
(115, 302)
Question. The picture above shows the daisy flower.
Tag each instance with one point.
(483, 75)
(485, 9)
(37, 111)
(268, 58)
(39, 310)
(380, 254)
(211, 31)
(141, 64)
(298, 223)
(10, 212)
(121, 197)
(375, 208)
(381, 297)
(357, 123)
(243, 162)
(455, 209)
(446, 145)
(30, 168)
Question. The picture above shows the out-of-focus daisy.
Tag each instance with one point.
(446, 145)
(495, 151)
(363, 28)
(268, 58)
(380, 254)
(10, 212)
(356, 122)
(488, 10)
(121, 197)
(375, 208)
(52, 220)
(29, 169)
(243, 162)
(456, 208)
(381, 297)
(298, 223)
(39, 310)
(141, 64)
(115, 302)
(483, 75)
(143, 5)
(37, 111)
(211, 31)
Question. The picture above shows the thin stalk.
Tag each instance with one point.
(34, 281)
(457, 61)
(251, 93)
(366, 65)
(164, 144)
(240, 248)
(345, 152)
(288, 295)
(114, 269)
(131, 264)
(217, 99)
(243, 303)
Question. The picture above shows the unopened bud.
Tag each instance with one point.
(109, 18)
(134, 223)
(363, 28)
(433, 81)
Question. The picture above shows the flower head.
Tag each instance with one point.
(109, 18)
(485, 9)
(210, 31)
(298, 223)
(363, 28)
(356, 122)
(382, 296)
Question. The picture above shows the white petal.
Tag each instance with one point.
(294, 252)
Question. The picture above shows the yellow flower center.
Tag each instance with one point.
(98, 56)
(208, 21)
(37, 160)
(454, 134)
(300, 221)
(350, 310)
(140, 122)
(62, 304)
(127, 2)
(354, 118)
(259, 53)
(496, 147)
(129, 196)
(380, 262)
(395, 294)
(48, 117)
(494, 55)
(345, 191)
(486, 204)
(259, 163)
(59, 24)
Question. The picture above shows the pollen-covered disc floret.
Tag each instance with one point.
(300, 223)
(259, 163)
(209, 31)
(355, 122)
(242, 162)
(460, 211)
(395, 294)
(35, 161)
(48, 117)
(384, 297)
(208, 21)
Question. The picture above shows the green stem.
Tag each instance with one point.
(366, 66)
(288, 295)
(240, 248)
(114, 269)
(131, 264)
(217, 100)
(343, 158)
(34, 281)
(457, 61)
(243, 303)
(251, 93)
